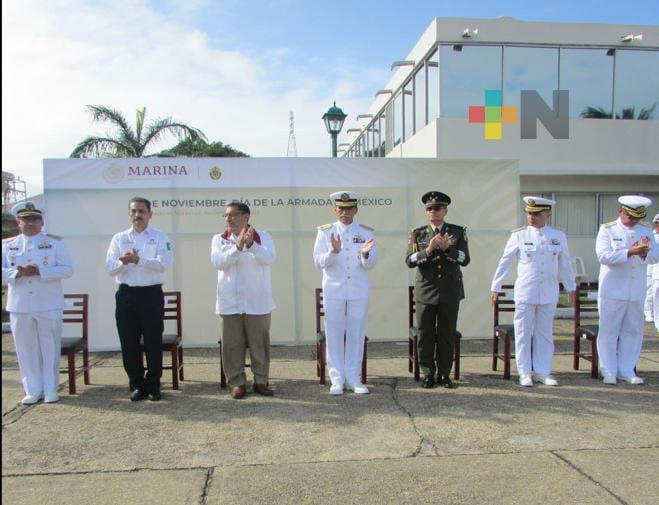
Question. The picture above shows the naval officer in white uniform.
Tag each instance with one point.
(543, 260)
(624, 249)
(652, 296)
(345, 251)
(33, 265)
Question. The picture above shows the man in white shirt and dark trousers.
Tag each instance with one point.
(138, 258)
(345, 251)
(33, 265)
(243, 255)
(543, 260)
(624, 248)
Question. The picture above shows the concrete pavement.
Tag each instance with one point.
(489, 441)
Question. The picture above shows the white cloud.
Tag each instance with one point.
(61, 55)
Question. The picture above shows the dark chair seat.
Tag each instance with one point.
(505, 329)
(171, 339)
(73, 344)
(589, 330)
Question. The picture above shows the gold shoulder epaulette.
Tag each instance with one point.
(519, 229)
(9, 238)
(51, 235)
(325, 226)
(367, 227)
(609, 225)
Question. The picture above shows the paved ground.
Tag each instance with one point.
(489, 441)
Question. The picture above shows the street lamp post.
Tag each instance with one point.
(333, 119)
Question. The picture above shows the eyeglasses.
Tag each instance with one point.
(436, 209)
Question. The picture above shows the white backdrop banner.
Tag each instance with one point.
(289, 197)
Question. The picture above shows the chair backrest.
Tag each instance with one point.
(505, 303)
(76, 310)
(320, 312)
(173, 310)
(411, 306)
(578, 267)
(585, 300)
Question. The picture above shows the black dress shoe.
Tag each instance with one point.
(447, 382)
(138, 395)
(428, 382)
(155, 397)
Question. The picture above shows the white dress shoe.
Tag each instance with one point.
(51, 398)
(31, 399)
(336, 389)
(358, 388)
(609, 379)
(526, 380)
(634, 379)
(547, 380)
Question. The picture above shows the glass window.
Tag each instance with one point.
(636, 84)
(432, 77)
(608, 210)
(575, 214)
(375, 136)
(467, 71)
(420, 99)
(408, 108)
(588, 76)
(366, 139)
(383, 134)
(398, 118)
(533, 68)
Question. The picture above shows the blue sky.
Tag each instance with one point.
(232, 68)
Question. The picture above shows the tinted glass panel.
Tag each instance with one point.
(398, 118)
(636, 84)
(588, 75)
(408, 106)
(420, 99)
(465, 75)
(531, 68)
(432, 75)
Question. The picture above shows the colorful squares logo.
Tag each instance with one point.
(493, 114)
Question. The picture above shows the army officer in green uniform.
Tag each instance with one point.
(437, 250)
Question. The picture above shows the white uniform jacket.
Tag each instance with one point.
(543, 260)
(244, 284)
(35, 293)
(345, 275)
(154, 249)
(623, 278)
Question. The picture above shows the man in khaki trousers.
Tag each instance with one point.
(243, 255)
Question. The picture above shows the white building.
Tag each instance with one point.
(610, 71)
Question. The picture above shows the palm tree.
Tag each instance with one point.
(129, 143)
(627, 113)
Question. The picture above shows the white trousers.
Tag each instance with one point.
(534, 340)
(620, 336)
(38, 339)
(344, 354)
(655, 302)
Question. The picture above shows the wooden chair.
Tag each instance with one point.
(321, 350)
(504, 303)
(173, 342)
(585, 301)
(413, 342)
(76, 311)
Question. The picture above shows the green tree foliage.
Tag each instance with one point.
(126, 142)
(627, 113)
(197, 148)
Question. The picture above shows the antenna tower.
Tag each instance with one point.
(292, 149)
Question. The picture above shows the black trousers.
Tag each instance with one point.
(437, 325)
(139, 315)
